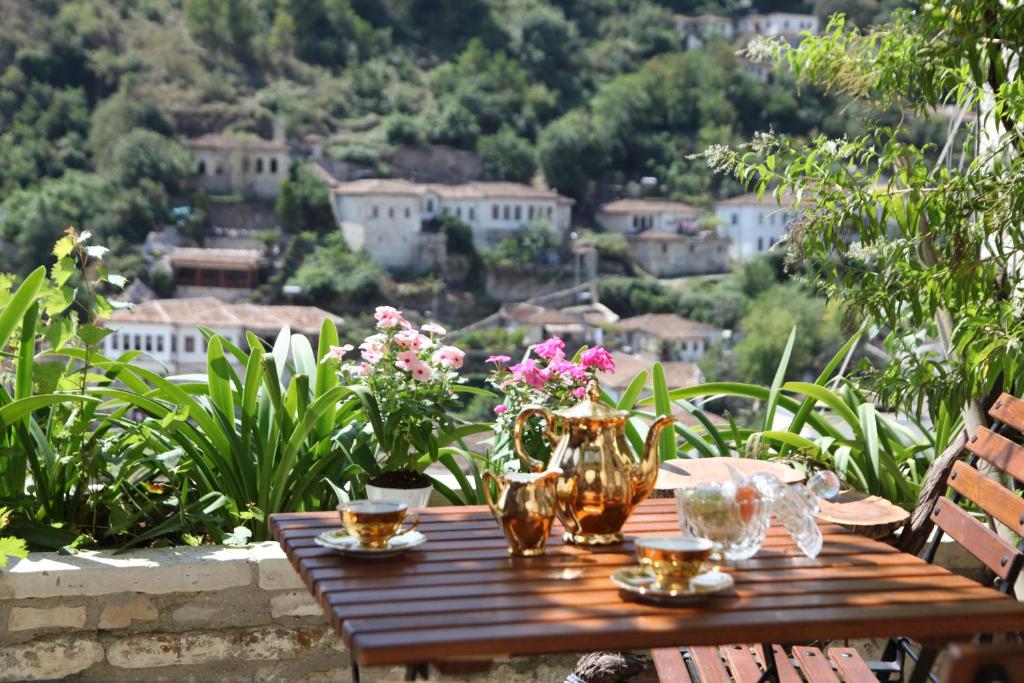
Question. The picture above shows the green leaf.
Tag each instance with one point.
(64, 246)
(632, 392)
(62, 270)
(238, 537)
(667, 449)
(18, 306)
(780, 372)
(11, 547)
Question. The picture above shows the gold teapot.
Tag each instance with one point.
(525, 508)
(600, 482)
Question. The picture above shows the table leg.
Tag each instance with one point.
(771, 673)
(355, 673)
(923, 665)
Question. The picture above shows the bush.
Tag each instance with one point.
(506, 156)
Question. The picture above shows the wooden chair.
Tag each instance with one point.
(991, 664)
(745, 663)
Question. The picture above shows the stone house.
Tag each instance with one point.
(667, 336)
(227, 274)
(166, 330)
(232, 163)
(664, 254)
(394, 220)
(785, 25)
(754, 225)
(699, 29)
(633, 216)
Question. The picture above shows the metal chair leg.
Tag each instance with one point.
(355, 673)
(414, 671)
(771, 672)
(923, 666)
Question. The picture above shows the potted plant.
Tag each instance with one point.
(406, 380)
(545, 376)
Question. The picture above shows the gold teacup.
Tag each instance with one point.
(375, 522)
(674, 560)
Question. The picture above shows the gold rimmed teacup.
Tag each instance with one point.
(375, 522)
(674, 560)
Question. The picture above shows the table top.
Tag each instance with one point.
(460, 596)
(683, 472)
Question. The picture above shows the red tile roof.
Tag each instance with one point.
(666, 326)
(647, 206)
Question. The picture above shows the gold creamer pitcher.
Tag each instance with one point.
(525, 508)
(601, 482)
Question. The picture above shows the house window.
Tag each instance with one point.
(149, 342)
(494, 211)
(206, 344)
(391, 212)
(245, 165)
(113, 342)
(458, 211)
(760, 244)
(219, 170)
(505, 213)
(735, 219)
(160, 344)
(407, 213)
(124, 342)
(138, 342)
(174, 343)
(273, 165)
(190, 343)
(373, 211)
(202, 168)
(430, 206)
(529, 213)
(549, 212)
(636, 221)
(472, 214)
(519, 213)
(259, 165)
(664, 249)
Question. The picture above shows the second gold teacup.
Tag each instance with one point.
(674, 560)
(375, 522)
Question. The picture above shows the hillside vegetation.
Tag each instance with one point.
(591, 95)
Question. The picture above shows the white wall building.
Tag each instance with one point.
(633, 216)
(699, 29)
(166, 330)
(786, 25)
(392, 220)
(239, 164)
(753, 226)
(667, 336)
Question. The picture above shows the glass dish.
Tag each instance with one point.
(734, 518)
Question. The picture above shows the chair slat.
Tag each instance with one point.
(814, 664)
(744, 667)
(1004, 663)
(989, 495)
(787, 672)
(851, 666)
(1009, 410)
(668, 662)
(995, 553)
(998, 450)
(708, 663)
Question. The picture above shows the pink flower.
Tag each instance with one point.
(411, 339)
(371, 357)
(599, 358)
(365, 369)
(570, 371)
(406, 360)
(500, 409)
(421, 372)
(336, 353)
(529, 372)
(498, 360)
(449, 357)
(551, 348)
(579, 392)
(434, 328)
(388, 317)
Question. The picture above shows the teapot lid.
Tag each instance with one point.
(590, 406)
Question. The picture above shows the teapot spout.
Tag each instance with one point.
(645, 473)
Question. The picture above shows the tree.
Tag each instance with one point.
(304, 202)
(924, 241)
(146, 155)
(571, 153)
(118, 115)
(506, 156)
(333, 275)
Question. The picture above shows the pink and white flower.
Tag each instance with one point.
(421, 372)
(336, 353)
(528, 371)
(434, 328)
(550, 348)
(388, 317)
(599, 358)
(498, 360)
(500, 409)
(450, 357)
(579, 392)
(406, 360)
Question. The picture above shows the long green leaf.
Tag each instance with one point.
(780, 373)
(667, 449)
(15, 310)
(632, 392)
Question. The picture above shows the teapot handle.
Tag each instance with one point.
(517, 434)
(499, 483)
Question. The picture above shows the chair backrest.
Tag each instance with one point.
(988, 664)
(987, 445)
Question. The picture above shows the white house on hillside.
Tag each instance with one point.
(166, 330)
(699, 29)
(392, 219)
(633, 216)
(753, 226)
(786, 25)
(667, 336)
(228, 163)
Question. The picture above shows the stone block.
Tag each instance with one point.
(48, 659)
(274, 570)
(121, 614)
(183, 649)
(294, 604)
(25, 618)
(195, 612)
(152, 570)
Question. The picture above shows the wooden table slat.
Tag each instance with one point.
(461, 596)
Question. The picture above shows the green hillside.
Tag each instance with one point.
(592, 94)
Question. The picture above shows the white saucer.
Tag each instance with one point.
(339, 541)
(639, 583)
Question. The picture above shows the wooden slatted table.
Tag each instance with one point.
(460, 597)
